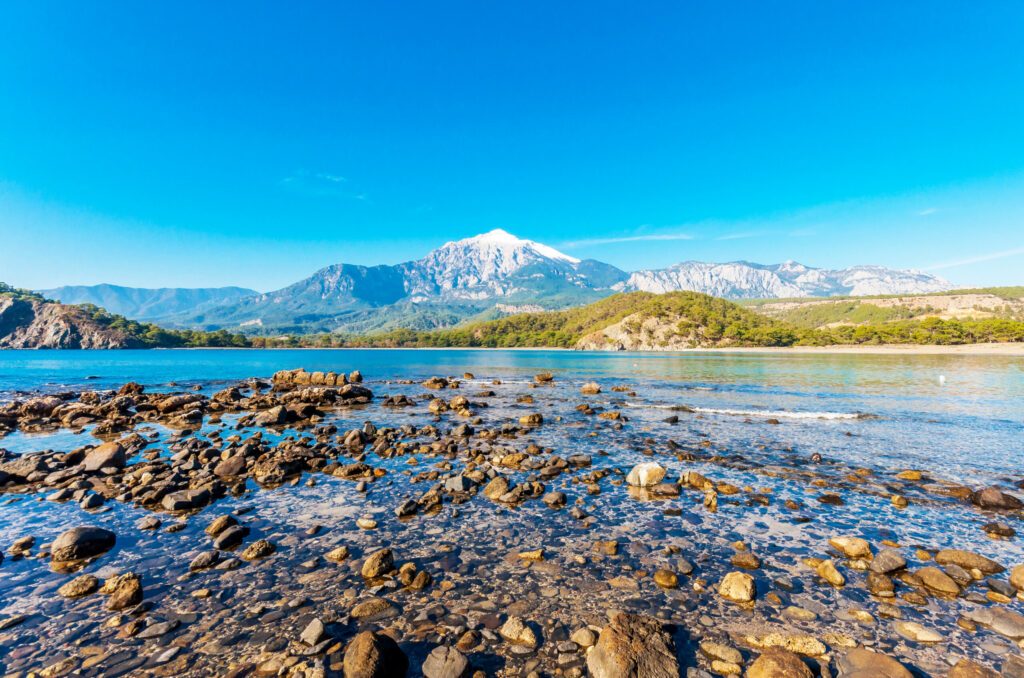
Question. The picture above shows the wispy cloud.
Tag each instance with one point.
(928, 211)
(991, 256)
(742, 235)
(321, 184)
(649, 237)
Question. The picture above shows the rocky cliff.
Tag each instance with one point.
(36, 323)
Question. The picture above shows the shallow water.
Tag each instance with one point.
(758, 419)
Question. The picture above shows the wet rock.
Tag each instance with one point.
(496, 488)
(231, 537)
(938, 582)
(888, 560)
(666, 579)
(778, 663)
(968, 561)
(1004, 622)
(80, 586)
(826, 569)
(372, 655)
(1017, 577)
(994, 499)
(863, 663)
(81, 543)
(124, 591)
(378, 564)
(631, 645)
(204, 561)
(107, 455)
(916, 632)
(590, 388)
(554, 499)
(445, 662)
(851, 547)
(260, 548)
(737, 587)
(646, 474)
(533, 419)
(337, 555)
(219, 524)
(373, 609)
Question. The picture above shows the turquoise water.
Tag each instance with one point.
(969, 421)
(757, 419)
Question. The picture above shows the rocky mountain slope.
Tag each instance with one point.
(478, 278)
(140, 303)
(35, 323)
(743, 280)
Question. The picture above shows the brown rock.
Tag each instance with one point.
(631, 645)
(373, 655)
(778, 663)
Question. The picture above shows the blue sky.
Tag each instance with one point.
(196, 144)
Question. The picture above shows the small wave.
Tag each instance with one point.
(771, 414)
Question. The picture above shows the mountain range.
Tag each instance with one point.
(483, 277)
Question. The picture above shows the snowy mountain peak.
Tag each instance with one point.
(500, 240)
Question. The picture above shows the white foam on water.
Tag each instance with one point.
(771, 414)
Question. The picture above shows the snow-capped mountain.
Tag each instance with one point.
(743, 280)
(493, 273)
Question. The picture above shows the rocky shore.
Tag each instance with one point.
(314, 524)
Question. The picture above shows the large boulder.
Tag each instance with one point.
(107, 455)
(631, 645)
(80, 543)
(374, 655)
(862, 663)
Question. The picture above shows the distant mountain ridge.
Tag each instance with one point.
(744, 280)
(140, 303)
(483, 277)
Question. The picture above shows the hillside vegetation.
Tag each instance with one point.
(29, 320)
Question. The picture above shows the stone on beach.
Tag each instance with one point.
(81, 543)
(646, 474)
(374, 655)
(737, 587)
(632, 645)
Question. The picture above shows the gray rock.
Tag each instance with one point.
(80, 543)
(445, 662)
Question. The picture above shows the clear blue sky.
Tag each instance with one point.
(214, 143)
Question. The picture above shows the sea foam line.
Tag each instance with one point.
(772, 414)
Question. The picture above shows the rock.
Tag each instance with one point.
(994, 499)
(495, 489)
(666, 579)
(583, 637)
(1004, 622)
(516, 632)
(862, 663)
(916, 632)
(938, 582)
(778, 663)
(261, 548)
(721, 652)
(445, 662)
(968, 561)
(232, 466)
(826, 569)
(851, 547)
(337, 555)
(378, 563)
(372, 609)
(373, 655)
(124, 590)
(631, 645)
(590, 388)
(79, 586)
(81, 543)
(737, 587)
(204, 561)
(1017, 577)
(887, 560)
(107, 455)
(965, 668)
(219, 524)
(313, 633)
(231, 537)
(646, 474)
(534, 419)
(554, 499)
